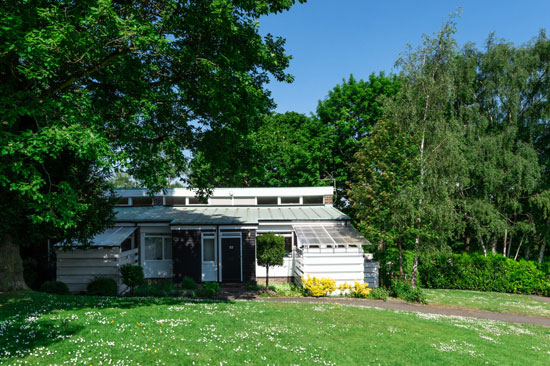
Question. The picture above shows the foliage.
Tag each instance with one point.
(103, 286)
(54, 287)
(318, 287)
(132, 275)
(378, 293)
(270, 251)
(360, 290)
(92, 87)
(384, 171)
(404, 290)
(483, 273)
(350, 112)
(158, 289)
(389, 265)
(208, 290)
(188, 283)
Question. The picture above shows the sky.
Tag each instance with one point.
(331, 39)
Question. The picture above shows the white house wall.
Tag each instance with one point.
(340, 264)
(285, 270)
(78, 267)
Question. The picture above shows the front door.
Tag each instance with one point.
(209, 257)
(231, 257)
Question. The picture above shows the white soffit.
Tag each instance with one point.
(328, 235)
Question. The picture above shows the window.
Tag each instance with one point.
(267, 201)
(196, 201)
(174, 201)
(313, 200)
(158, 247)
(142, 201)
(290, 200)
(209, 248)
(123, 201)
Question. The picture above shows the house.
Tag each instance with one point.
(175, 235)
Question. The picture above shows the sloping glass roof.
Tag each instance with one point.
(227, 215)
(109, 238)
(328, 235)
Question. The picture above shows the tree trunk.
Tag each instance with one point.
(400, 249)
(467, 240)
(483, 245)
(541, 251)
(11, 266)
(505, 239)
(494, 245)
(415, 270)
(267, 278)
(509, 247)
(519, 247)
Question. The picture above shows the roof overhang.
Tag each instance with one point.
(109, 238)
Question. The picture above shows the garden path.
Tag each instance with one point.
(394, 304)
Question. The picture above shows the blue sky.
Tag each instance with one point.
(331, 39)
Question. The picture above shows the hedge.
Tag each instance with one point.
(479, 273)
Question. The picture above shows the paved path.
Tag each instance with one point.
(405, 306)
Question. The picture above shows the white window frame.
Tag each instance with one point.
(209, 235)
(155, 235)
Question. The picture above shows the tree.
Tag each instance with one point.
(93, 86)
(270, 251)
(424, 108)
(384, 170)
(350, 112)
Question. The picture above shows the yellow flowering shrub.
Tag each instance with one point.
(344, 287)
(319, 287)
(360, 290)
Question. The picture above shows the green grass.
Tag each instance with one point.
(46, 329)
(492, 301)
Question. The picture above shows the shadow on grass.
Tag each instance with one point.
(30, 320)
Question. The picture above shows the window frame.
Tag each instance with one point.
(164, 237)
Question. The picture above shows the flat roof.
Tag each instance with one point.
(233, 192)
(205, 215)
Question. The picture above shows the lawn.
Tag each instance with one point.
(492, 301)
(41, 329)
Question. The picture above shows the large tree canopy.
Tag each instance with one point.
(93, 85)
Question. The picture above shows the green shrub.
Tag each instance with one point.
(378, 293)
(103, 286)
(249, 286)
(479, 273)
(405, 291)
(389, 265)
(54, 287)
(209, 290)
(160, 289)
(132, 275)
(188, 283)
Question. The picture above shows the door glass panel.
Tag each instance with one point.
(153, 248)
(167, 248)
(208, 251)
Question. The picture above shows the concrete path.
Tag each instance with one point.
(394, 304)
